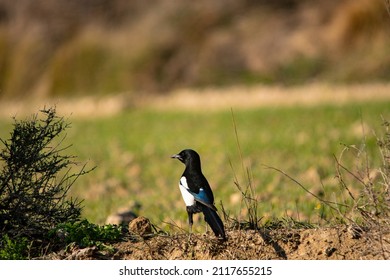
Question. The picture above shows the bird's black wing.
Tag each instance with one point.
(198, 186)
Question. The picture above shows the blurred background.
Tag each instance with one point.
(99, 47)
(97, 56)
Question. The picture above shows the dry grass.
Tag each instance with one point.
(212, 98)
(267, 96)
(363, 205)
(387, 3)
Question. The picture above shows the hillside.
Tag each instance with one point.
(95, 47)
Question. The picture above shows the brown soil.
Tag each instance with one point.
(300, 244)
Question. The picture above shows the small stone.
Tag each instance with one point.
(121, 218)
(140, 226)
(124, 215)
(329, 251)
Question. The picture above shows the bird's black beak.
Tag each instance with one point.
(177, 156)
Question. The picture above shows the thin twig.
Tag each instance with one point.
(304, 188)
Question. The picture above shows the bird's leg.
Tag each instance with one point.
(190, 223)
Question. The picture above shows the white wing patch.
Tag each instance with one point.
(187, 196)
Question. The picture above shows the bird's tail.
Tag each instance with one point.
(214, 221)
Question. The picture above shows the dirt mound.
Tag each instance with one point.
(301, 244)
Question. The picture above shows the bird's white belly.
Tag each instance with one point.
(187, 196)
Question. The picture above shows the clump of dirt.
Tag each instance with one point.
(141, 226)
(336, 243)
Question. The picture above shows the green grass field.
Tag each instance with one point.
(131, 152)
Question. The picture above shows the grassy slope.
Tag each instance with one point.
(131, 151)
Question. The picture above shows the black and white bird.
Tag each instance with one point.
(196, 192)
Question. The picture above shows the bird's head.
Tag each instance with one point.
(188, 157)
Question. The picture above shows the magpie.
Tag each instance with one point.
(196, 192)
